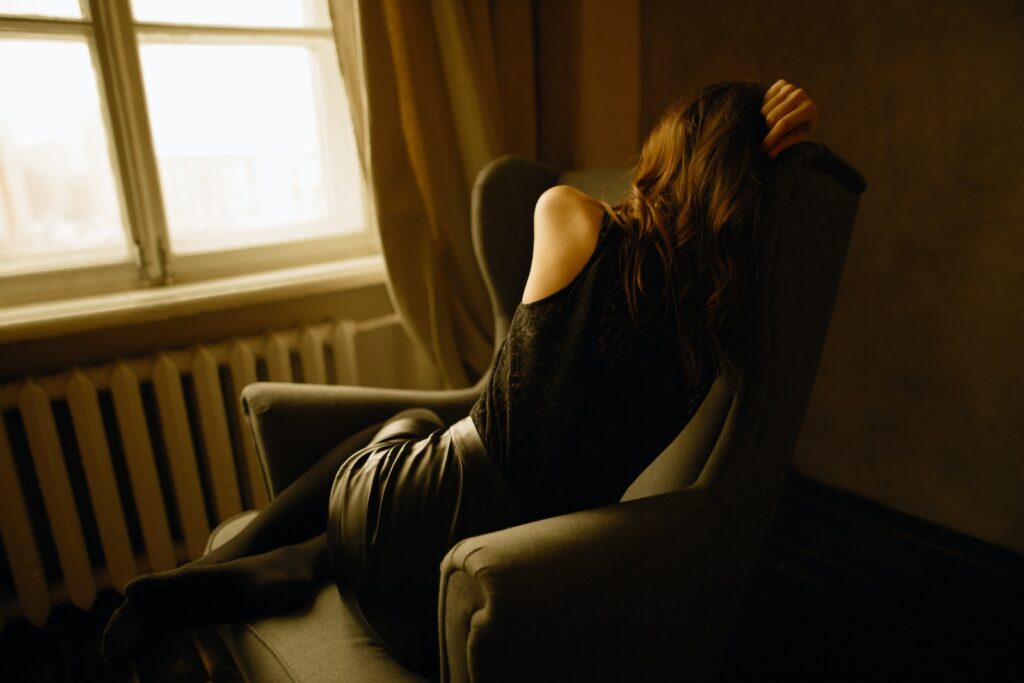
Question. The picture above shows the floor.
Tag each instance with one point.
(846, 591)
(68, 650)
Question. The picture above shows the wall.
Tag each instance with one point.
(917, 403)
(588, 82)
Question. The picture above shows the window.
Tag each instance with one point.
(144, 142)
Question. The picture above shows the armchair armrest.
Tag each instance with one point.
(295, 424)
(642, 590)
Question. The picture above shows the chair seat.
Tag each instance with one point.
(317, 642)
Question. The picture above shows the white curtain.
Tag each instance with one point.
(437, 89)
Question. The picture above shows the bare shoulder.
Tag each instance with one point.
(562, 200)
(566, 223)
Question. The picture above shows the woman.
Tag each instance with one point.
(627, 316)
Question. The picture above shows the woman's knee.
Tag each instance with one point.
(424, 414)
(412, 423)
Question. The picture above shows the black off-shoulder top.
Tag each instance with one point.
(581, 399)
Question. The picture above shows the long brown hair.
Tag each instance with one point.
(689, 221)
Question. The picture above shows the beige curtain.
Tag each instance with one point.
(437, 88)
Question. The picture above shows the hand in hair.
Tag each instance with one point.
(790, 114)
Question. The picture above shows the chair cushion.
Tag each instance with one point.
(317, 642)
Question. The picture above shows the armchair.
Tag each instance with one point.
(644, 589)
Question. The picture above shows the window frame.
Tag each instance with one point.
(113, 38)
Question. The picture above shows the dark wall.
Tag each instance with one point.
(918, 400)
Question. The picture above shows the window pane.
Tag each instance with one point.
(254, 143)
(58, 203)
(69, 9)
(264, 13)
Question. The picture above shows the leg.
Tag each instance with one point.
(300, 511)
(237, 589)
(394, 513)
(268, 567)
(243, 588)
(413, 423)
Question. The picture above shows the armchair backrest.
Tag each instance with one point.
(810, 206)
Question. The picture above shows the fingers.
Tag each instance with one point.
(784, 102)
(775, 94)
(779, 93)
(790, 115)
(791, 138)
(774, 89)
(803, 116)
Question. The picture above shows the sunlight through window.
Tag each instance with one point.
(245, 154)
(225, 148)
(58, 202)
(280, 13)
(42, 8)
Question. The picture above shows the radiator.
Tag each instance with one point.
(111, 471)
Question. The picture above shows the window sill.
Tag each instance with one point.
(37, 321)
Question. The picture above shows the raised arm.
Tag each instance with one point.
(791, 115)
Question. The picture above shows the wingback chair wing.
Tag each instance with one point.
(643, 589)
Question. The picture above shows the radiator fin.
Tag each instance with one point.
(181, 456)
(279, 360)
(100, 478)
(214, 424)
(19, 540)
(138, 451)
(61, 511)
(311, 351)
(343, 337)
